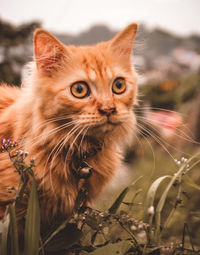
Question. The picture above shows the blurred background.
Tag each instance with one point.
(167, 58)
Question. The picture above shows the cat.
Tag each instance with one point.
(74, 112)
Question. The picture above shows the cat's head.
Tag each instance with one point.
(93, 86)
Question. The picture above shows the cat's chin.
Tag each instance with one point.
(108, 127)
(104, 128)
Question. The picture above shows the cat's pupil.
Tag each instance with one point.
(119, 84)
(79, 88)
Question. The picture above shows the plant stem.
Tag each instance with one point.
(178, 197)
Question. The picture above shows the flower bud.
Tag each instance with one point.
(151, 210)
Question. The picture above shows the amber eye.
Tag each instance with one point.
(80, 89)
(119, 86)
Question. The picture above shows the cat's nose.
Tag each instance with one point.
(107, 111)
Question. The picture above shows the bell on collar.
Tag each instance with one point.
(84, 171)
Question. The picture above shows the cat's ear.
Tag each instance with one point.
(122, 44)
(49, 53)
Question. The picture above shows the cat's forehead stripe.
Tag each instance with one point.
(96, 65)
(104, 73)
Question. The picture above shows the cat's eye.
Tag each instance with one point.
(119, 86)
(80, 89)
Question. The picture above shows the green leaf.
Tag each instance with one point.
(13, 232)
(160, 205)
(113, 209)
(64, 239)
(118, 201)
(32, 226)
(152, 192)
(54, 231)
(4, 227)
(150, 202)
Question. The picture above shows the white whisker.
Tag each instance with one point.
(58, 148)
(186, 138)
(83, 136)
(53, 131)
(156, 139)
(151, 147)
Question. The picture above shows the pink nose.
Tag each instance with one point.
(107, 111)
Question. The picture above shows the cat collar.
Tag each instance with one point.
(84, 170)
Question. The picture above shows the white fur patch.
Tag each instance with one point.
(92, 75)
(118, 71)
(109, 73)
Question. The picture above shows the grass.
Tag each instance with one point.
(150, 216)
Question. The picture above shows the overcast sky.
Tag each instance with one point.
(178, 16)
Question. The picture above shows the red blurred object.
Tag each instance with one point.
(165, 121)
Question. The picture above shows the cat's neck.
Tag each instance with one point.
(56, 159)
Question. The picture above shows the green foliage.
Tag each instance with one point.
(113, 209)
(13, 231)
(32, 226)
(10, 241)
(99, 232)
(7, 73)
(14, 38)
(174, 98)
(64, 239)
(4, 227)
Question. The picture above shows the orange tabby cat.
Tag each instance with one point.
(74, 111)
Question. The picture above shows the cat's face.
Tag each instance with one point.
(95, 86)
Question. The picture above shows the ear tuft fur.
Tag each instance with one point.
(122, 43)
(49, 53)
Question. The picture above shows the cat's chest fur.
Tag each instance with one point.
(59, 181)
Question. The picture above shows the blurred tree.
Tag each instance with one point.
(12, 36)
(8, 75)
(171, 94)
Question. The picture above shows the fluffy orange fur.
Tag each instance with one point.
(56, 127)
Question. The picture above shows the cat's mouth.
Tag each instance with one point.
(105, 124)
(109, 122)
(108, 125)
